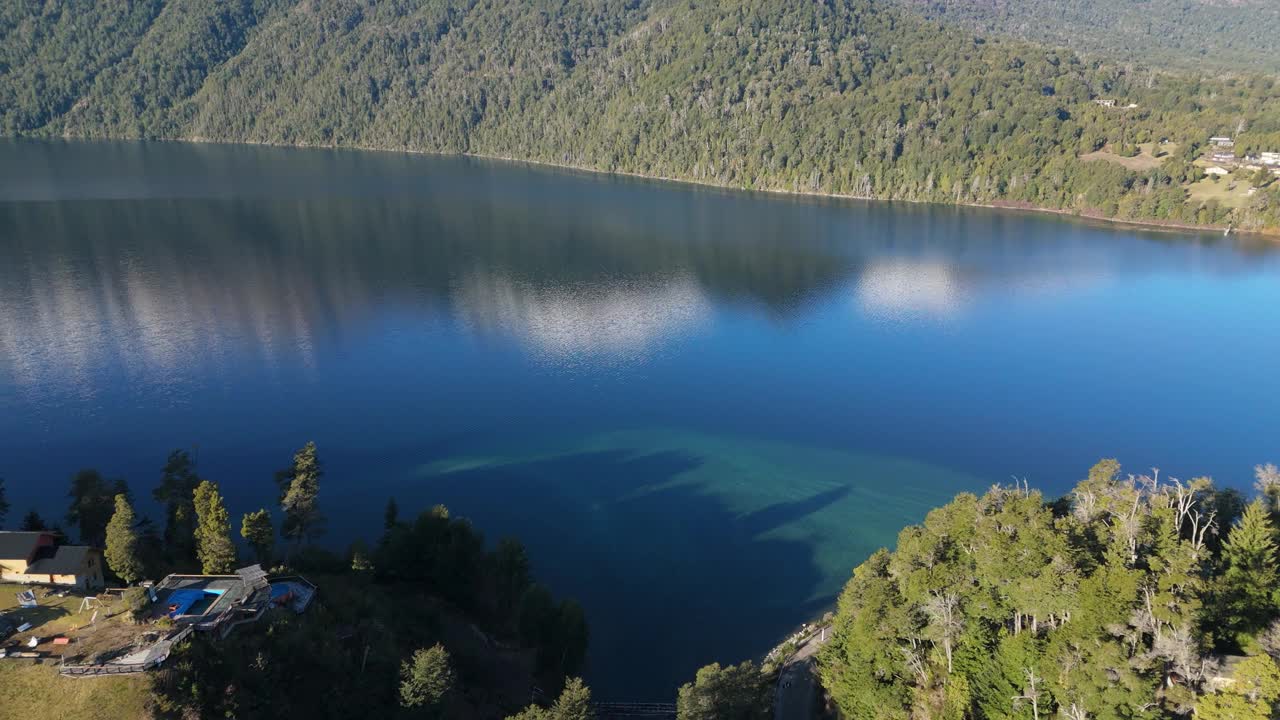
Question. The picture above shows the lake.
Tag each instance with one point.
(699, 408)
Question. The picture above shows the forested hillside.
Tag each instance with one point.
(1189, 34)
(1132, 597)
(851, 97)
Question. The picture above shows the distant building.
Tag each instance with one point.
(1222, 142)
(36, 558)
(1269, 158)
(1216, 171)
(1104, 102)
(1223, 157)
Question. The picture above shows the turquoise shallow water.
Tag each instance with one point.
(699, 408)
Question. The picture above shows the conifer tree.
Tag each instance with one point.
(574, 703)
(176, 492)
(1248, 583)
(122, 543)
(302, 518)
(213, 530)
(391, 515)
(92, 503)
(255, 528)
(32, 522)
(426, 679)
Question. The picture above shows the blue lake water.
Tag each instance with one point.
(699, 408)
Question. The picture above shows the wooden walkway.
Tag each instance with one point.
(149, 658)
(607, 710)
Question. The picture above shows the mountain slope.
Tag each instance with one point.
(1189, 34)
(836, 96)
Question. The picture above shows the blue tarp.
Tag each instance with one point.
(181, 601)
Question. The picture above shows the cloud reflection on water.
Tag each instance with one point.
(897, 290)
(620, 320)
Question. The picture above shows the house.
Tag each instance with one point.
(1216, 171)
(1105, 102)
(1222, 142)
(37, 558)
(1269, 158)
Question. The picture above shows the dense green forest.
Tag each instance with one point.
(853, 97)
(1186, 34)
(1132, 597)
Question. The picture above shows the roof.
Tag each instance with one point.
(69, 560)
(19, 545)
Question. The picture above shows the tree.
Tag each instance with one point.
(302, 518)
(391, 515)
(4, 504)
(1252, 694)
(256, 529)
(1268, 484)
(213, 531)
(511, 573)
(426, 679)
(1250, 577)
(176, 492)
(92, 503)
(136, 603)
(32, 522)
(122, 543)
(733, 692)
(574, 703)
(572, 637)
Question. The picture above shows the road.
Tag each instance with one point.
(797, 693)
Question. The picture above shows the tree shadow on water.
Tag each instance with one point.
(671, 577)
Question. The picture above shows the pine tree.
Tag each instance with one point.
(122, 543)
(176, 492)
(92, 502)
(255, 528)
(32, 522)
(1250, 577)
(213, 531)
(302, 519)
(574, 703)
(391, 515)
(426, 679)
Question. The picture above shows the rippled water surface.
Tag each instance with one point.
(700, 409)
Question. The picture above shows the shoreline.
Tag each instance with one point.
(1269, 235)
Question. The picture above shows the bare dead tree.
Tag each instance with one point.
(944, 617)
(1074, 712)
(1030, 694)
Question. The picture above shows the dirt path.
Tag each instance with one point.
(797, 693)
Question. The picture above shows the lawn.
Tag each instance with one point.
(1143, 161)
(1229, 193)
(34, 691)
(54, 616)
(37, 692)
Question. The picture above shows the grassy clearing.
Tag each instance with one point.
(55, 615)
(1143, 161)
(1228, 192)
(37, 692)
